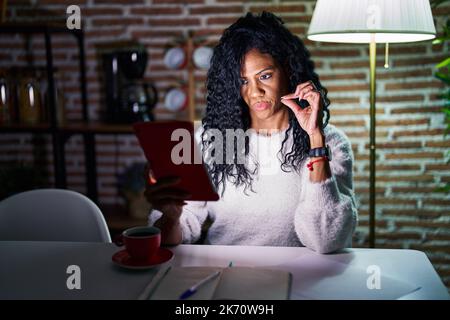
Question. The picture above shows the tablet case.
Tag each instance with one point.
(155, 139)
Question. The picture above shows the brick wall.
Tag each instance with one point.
(411, 160)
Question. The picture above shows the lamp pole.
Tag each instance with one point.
(191, 79)
(372, 53)
(390, 22)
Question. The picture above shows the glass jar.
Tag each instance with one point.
(5, 100)
(60, 99)
(30, 104)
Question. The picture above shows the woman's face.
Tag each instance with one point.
(263, 83)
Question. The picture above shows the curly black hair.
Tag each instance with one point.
(225, 107)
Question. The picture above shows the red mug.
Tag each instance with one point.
(141, 243)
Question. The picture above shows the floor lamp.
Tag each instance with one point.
(372, 22)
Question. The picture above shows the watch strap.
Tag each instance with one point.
(319, 152)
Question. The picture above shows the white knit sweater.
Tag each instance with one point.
(286, 209)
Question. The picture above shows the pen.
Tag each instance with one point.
(189, 292)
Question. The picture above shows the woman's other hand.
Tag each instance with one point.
(310, 118)
(163, 195)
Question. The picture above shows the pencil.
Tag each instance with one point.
(154, 283)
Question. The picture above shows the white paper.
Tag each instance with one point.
(316, 277)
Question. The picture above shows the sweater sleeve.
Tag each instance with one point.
(191, 220)
(326, 216)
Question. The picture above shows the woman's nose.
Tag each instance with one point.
(256, 90)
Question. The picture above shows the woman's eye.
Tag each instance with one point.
(266, 76)
(243, 81)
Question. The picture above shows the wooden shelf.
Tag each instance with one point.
(37, 128)
(98, 128)
(73, 128)
(59, 137)
(25, 27)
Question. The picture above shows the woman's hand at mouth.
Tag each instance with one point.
(310, 118)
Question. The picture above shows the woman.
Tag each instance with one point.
(259, 73)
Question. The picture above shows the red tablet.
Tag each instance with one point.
(170, 149)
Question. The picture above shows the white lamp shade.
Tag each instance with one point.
(355, 21)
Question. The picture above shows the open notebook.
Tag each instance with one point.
(238, 283)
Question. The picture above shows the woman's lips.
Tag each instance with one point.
(261, 106)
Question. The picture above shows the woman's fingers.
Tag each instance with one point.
(146, 171)
(151, 177)
(151, 180)
(169, 207)
(304, 85)
(291, 104)
(290, 96)
(300, 91)
(313, 97)
(308, 117)
(307, 90)
(168, 202)
(297, 90)
(163, 183)
(168, 194)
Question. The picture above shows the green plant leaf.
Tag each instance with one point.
(446, 95)
(435, 3)
(445, 188)
(441, 39)
(443, 77)
(444, 63)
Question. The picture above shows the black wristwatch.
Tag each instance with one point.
(320, 152)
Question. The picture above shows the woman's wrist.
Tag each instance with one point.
(317, 140)
(171, 233)
(170, 220)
